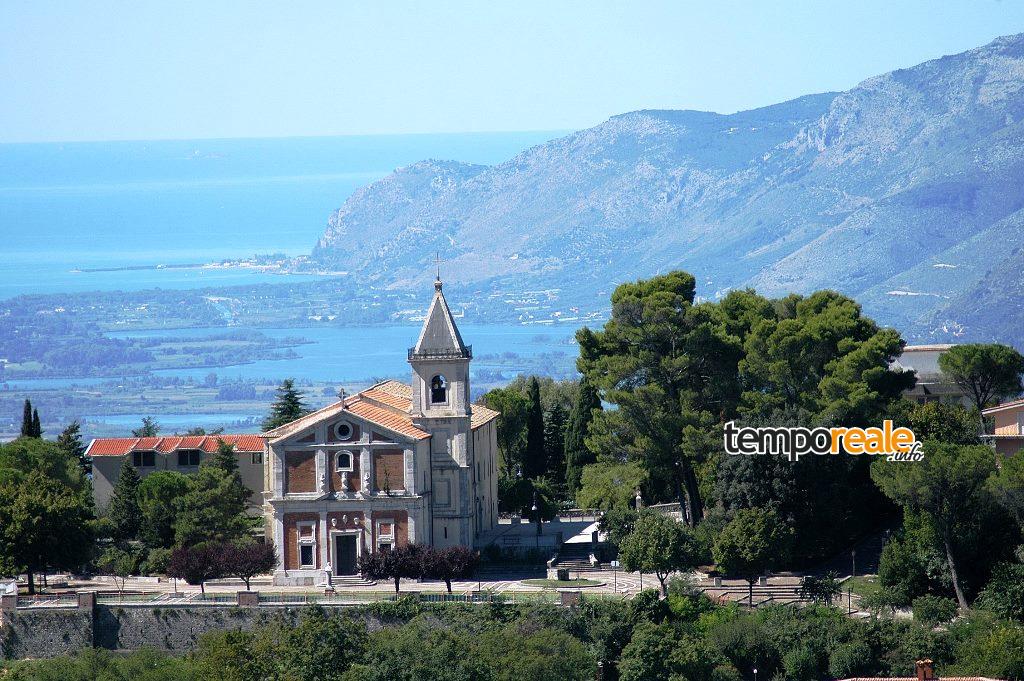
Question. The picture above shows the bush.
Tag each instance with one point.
(157, 561)
(851, 659)
(901, 573)
(800, 664)
(821, 590)
(1004, 594)
(931, 610)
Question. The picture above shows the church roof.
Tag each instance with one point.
(387, 404)
(440, 337)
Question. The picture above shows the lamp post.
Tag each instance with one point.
(536, 516)
(755, 673)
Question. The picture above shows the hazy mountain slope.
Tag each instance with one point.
(903, 191)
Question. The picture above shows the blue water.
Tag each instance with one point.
(110, 204)
(361, 354)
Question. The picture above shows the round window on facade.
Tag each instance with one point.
(343, 431)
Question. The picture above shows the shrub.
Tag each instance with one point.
(1004, 594)
(850, 659)
(157, 562)
(931, 610)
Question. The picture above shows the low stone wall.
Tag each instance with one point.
(40, 632)
(174, 628)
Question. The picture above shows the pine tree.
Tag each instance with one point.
(26, 420)
(225, 458)
(233, 491)
(535, 463)
(287, 406)
(37, 426)
(70, 440)
(124, 513)
(149, 428)
(576, 453)
(554, 443)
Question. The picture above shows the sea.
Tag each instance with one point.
(79, 206)
(109, 206)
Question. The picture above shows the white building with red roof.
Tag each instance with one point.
(182, 453)
(394, 464)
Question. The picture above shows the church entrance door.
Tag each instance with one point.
(345, 554)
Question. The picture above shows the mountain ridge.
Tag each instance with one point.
(894, 192)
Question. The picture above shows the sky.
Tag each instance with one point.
(103, 70)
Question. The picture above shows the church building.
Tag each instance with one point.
(394, 464)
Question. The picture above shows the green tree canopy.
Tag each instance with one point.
(159, 494)
(288, 406)
(26, 420)
(513, 407)
(123, 513)
(950, 423)
(755, 541)
(660, 545)
(985, 371)
(554, 443)
(576, 453)
(668, 366)
(149, 428)
(25, 455)
(70, 441)
(213, 509)
(819, 354)
(607, 485)
(44, 523)
(945, 485)
(534, 461)
(1007, 486)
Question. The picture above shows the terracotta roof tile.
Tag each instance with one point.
(111, 446)
(386, 404)
(387, 398)
(387, 418)
(396, 388)
(482, 415)
(300, 423)
(119, 446)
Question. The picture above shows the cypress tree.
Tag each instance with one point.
(124, 513)
(287, 406)
(576, 453)
(26, 420)
(535, 463)
(554, 443)
(37, 426)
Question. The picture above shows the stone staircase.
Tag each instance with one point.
(574, 557)
(351, 580)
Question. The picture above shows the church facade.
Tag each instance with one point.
(397, 463)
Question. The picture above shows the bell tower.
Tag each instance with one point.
(441, 407)
(440, 365)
